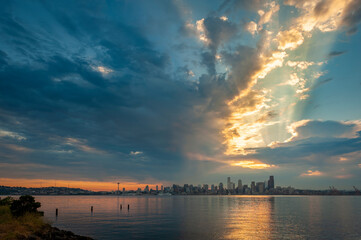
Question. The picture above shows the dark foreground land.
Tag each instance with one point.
(20, 220)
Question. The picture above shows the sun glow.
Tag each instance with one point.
(83, 184)
(243, 132)
(253, 164)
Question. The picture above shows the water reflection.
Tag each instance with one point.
(249, 218)
(206, 217)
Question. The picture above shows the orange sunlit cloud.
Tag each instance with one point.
(87, 185)
(312, 173)
(253, 164)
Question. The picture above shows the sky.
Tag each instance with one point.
(159, 92)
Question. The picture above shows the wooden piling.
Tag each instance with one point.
(91, 208)
(121, 207)
(128, 206)
(56, 212)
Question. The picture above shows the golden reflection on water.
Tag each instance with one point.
(250, 219)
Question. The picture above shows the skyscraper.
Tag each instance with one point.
(228, 182)
(271, 182)
(260, 187)
(156, 188)
(239, 184)
(253, 187)
(220, 186)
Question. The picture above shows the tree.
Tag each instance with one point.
(6, 201)
(25, 204)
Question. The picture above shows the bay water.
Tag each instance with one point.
(206, 217)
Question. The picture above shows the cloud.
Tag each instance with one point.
(312, 173)
(327, 15)
(215, 30)
(289, 39)
(316, 147)
(335, 53)
(17, 136)
(352, 15)
(323, 129)
(136, 153)
(251, 27)
(90, 90)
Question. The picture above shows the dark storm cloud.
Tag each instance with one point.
(244, 62)
(219, 31)
(83, 122)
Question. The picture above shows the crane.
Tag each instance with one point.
(333, 190)
(356, 190)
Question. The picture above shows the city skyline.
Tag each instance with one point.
(150, 92)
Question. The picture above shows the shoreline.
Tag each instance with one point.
(50, 232)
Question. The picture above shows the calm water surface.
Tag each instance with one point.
(207, 217)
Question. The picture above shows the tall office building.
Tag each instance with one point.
(228, 182)
(161, 188)
(212, 188)
(239, 184)
(260, 187)
(220, 186)
(156, 188)
(271, 182)
(253, 187)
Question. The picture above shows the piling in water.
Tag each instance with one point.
(128, 206)
(121, 206)
(56, 212)
(91, 208)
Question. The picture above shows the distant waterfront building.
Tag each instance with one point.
(271, 182)
(156, 188)
(146, 189)
(161, 188)
(123, 190)
(212, 188)
(253, 187)
(240, 186)
(260, 187)
(205, 186)
(220, 186)
(228, 182)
